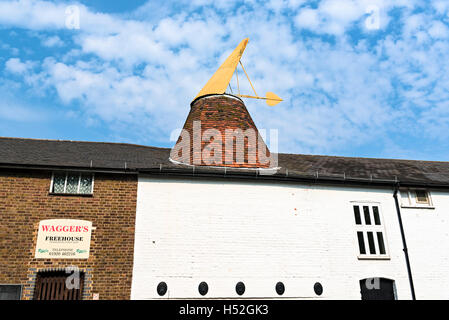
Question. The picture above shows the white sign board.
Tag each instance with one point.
(63, 239)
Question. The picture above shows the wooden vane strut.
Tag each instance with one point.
(218, 83)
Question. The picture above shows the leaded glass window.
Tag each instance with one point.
(86, 183)
(72, 183)
(59, 182)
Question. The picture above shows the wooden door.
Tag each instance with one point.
(52, 286)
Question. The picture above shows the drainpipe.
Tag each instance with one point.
(404, 243)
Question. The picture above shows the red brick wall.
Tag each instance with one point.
(25, 200)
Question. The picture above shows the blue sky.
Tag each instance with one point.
(359, 78)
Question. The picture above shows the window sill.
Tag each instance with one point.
(89, 195)
(384, 257)
(417, 207)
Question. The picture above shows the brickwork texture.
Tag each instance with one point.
(25, 200)
(222, 113)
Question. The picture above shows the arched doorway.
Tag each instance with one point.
(377, 289)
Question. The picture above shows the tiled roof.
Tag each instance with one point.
(17, 152)
(80, 154)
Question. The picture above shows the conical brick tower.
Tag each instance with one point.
(219, 131)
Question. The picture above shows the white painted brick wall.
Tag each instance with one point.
(427, 232)
(223, 232)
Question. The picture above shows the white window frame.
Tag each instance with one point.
(79, 183)
(412, 201)
(370, 228)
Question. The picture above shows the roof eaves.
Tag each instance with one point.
(68, 168)
(281, 175)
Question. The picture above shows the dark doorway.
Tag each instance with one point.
(53, 286)
(10, 292)
(377, 289)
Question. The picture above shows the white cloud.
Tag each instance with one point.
(53, 41)
(334, 17)
(6, 46)
(343, 10)
(441, 6)
(308, 18)
(14, 65)
(32, 14)
(438, 30)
